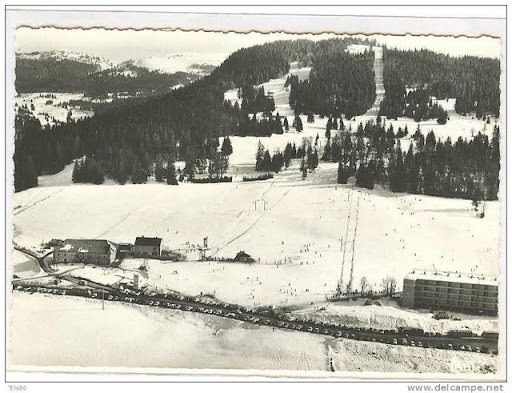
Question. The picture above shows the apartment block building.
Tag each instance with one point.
(455, 291)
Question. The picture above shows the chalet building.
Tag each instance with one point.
(125, 247)
(93, 251)
(56, 243)
(147, 247)
(242, 256)
(471, 293)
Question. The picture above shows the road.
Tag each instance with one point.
(268, 317)
(40, 259)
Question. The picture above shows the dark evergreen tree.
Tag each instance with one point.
(327, 151)
(266, 164)
(285, 124)
(304, 168)
(335, 124)
(260, 153)
(170, 175)
(365, 176)
(277, 161)
(227, 148)
(298, 124)
(160, 172)
(342, 174)
(288, 154)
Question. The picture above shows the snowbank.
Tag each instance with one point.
(137, 336)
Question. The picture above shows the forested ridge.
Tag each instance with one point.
(69, 75)
(132, 140)
(183, 124)
(473, 81)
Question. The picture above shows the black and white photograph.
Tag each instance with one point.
(255, 195)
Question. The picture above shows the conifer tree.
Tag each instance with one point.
(342, 174)
(266, 164)
(288, 152)
(260, 153)
(159, 171)
(227, 148)
(304, 168)
(298, 123)
(170, 175)
(327, 151)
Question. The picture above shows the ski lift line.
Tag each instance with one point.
(340, 282)
(349, 286)
(243, 216)
(252, 225)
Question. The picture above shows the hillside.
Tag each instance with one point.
(474, 82)
(188, 117)
(71, 72)
(189, 62)
(130, 141)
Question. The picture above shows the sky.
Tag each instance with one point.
(134, 44)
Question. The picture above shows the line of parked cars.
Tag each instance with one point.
(270, 318)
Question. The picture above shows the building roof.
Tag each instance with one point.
(242, 254)
(439, 275)
(148, 241)
(85, 246)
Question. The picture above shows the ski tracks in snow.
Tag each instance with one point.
(243, 217)
(37, 202)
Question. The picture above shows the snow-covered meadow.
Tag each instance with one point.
(53, 330)
(296, 239)
(49, 110)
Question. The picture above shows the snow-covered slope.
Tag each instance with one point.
(101, 63)
(77, 332)
(190, 62)
(53, 108)
(296, 240)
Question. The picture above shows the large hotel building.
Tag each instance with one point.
(454, 291)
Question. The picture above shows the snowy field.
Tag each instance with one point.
(296, 240)
(190, 341)
(181, 62)
(48, 111)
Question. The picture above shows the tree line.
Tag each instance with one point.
(417, 104)
(473, 81)
(373, 154)
(339, 83)
(68, 75)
